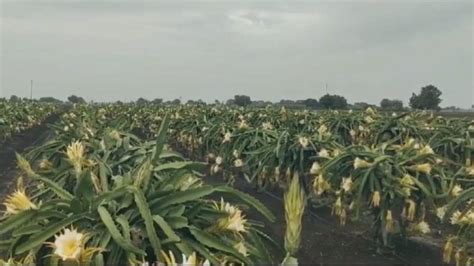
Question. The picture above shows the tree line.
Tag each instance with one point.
(428, 98)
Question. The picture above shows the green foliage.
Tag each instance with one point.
(329, 101)
(387, 104)
(428, 99)
(242, 100)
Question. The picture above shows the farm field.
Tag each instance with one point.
(110, 184)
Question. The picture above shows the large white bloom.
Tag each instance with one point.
(68, 245)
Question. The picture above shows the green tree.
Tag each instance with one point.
(329, 101)
(76, 99)
(388, 104)
(242, 100)
(15, 98)
(142, 101)
(49, 100)
(311, 103)
(429, 98)
(157, 101)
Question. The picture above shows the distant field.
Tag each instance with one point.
(457, 114)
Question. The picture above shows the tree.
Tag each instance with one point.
(311, 103)
(361, 105)
(157, 101)
(333, 102)
(230, 102)
(176, 102)
(142, 101)
(49, 100)
(15, 98)
(388, 104)
(75, 99)
(429, 98)
(242, 100)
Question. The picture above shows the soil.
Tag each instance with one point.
(19, 143)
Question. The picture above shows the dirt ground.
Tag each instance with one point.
(18, 144)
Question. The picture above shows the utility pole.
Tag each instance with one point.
(31, 90)
(326, 88)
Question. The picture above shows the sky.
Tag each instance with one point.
(269, 50)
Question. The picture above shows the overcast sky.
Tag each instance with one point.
(209, 50)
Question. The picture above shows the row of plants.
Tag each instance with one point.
(407, 171)
(96, 194)
(19, 116)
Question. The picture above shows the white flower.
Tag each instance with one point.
(235, 221)
(227, 137)
(346, 183)
(304, 142)
(423, 168)
(426, 150)
(360, 163)
(241, 248)
(470, 170)
(459, 219)
(457, 189)
(68, 245)
(75, 154)
(322, 129)
(423, 227)
(370, 111)
(191, 260)
(315, 168)
(407, 180)
(219, 160)
(324, 153)
(235, 153)
(18, 201)
(267, 125)
(302, 122)
(353, 133)
(369, 119)
(238, 163)
(243, 124)
(440, 212)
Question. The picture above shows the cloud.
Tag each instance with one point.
(269, 21)
(269, 50)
